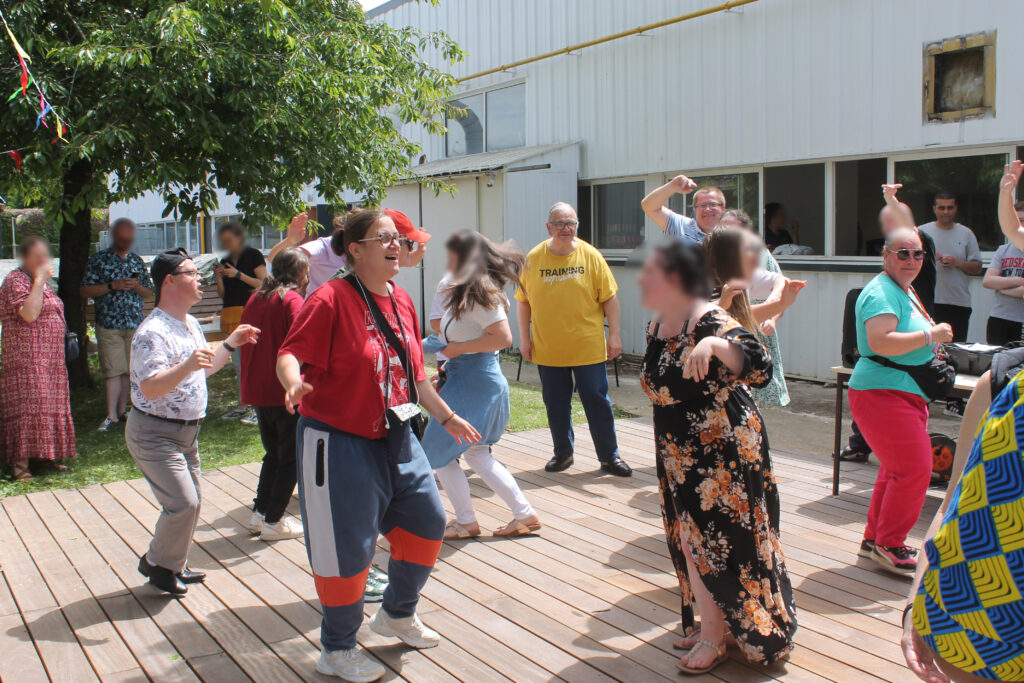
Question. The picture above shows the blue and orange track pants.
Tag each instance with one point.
(350, 490)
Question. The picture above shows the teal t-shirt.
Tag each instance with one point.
(882, 296)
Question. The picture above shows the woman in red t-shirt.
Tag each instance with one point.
(273, 309)
(346, 366)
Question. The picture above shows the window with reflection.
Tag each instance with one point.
(618, 220)
(465, 126)
(487, 122)
(740, 190)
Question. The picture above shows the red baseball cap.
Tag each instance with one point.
(406, 227)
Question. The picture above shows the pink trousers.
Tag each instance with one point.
(895, 424)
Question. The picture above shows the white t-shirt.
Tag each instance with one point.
(952, 285)
(161, 342)
(324, 264)
(440, 305)
(472, 324)
(761, 284)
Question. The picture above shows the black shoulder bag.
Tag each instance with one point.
(937, 377)
(418, 420)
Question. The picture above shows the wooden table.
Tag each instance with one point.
(962, 388)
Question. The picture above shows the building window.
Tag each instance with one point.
(974, 180)
(618, 220)
(740, 190)
(960, 77)
(858, 199)
(798, 193)
(486, 122)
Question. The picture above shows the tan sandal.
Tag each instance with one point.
(720, 657)
(517, 528)
(453, 530)
(21, 472)
(687, 642)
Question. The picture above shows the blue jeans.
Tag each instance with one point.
(592, 381)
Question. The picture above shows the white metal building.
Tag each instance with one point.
(811, 103)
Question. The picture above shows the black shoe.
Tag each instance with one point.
(161, 578)
(851, 454)
(618, 467)
(186, 575)
(557, 464)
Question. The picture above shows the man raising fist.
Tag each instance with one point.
(708, 205)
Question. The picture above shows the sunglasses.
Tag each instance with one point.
(905, 254)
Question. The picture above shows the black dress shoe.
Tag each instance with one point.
(618, 467)
(557, 464)
(851, 454)
(186, 575)
(161, 578)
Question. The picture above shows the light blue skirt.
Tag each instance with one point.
(477, 390)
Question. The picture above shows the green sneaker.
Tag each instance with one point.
(376, 582)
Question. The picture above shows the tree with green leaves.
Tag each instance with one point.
(261, 98)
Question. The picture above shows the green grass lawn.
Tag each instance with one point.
(103, 457)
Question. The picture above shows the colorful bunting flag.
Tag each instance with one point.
(17, 158)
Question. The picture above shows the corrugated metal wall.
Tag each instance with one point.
(780, 80)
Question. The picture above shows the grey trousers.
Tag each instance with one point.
(168, 455)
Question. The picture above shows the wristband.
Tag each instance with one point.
(229, 347)
(910, 606)
(927, 337)
(448, 419)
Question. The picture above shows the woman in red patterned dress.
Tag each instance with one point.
(34, 399)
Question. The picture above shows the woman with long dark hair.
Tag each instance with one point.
(353, 366)
(474, 328)
(273, 309)
(719, 497)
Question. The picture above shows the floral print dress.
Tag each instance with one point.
(718, 492)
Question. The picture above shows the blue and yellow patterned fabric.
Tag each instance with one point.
(969, 608)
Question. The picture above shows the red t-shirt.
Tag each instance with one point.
(343, 357)
(274, 317)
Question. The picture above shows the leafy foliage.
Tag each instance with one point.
(256, 97)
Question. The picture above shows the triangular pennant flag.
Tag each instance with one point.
(20, 91)
(17, 158)
(60, 128)
(17, 46)
(42, 116)
(24, 76)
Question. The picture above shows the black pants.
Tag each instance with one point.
(277, 476)
(958, 317)
(999, 331)
(857, 441)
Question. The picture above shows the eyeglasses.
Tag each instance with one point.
(905, 254)
(386, 239)
(565, 224)
(194, 274)
(708, 206)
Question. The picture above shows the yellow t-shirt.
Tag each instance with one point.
(566, 296)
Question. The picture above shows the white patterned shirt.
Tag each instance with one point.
(161, 342)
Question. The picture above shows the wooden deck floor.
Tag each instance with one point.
(592, 598)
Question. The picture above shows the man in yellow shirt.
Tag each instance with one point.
(567, 292)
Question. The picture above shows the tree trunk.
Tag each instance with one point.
(75, 241)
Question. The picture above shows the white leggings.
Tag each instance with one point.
(494, 474)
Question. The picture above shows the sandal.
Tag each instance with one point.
(687, 642)
(21, 473)
(720, 657)
(52, 465)
(454, 530)
(517, 528)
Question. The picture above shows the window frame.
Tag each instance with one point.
(617, 254)
(483, 92)
(986, 40)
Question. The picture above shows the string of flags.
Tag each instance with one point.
(29, 79)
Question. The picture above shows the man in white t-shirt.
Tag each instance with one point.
(958, 256)
(708, 205)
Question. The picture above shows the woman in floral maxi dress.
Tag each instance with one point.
(719, 496)
(34, 401)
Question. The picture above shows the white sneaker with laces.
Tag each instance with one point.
(410, 630)
(350, 665)
(255, 523)
(287, 527)
(107, 425)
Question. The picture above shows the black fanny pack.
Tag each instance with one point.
(935, 378)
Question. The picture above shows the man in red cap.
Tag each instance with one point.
(325, 262)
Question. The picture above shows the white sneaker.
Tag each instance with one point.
(350, 665)
(255, 523)
(107, 425)
(287, 527)
(410, 630)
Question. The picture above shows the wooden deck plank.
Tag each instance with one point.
(20, 660)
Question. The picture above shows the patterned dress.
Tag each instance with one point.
(775, 392)
(718, 493)
(970, 605)
(34, 399)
